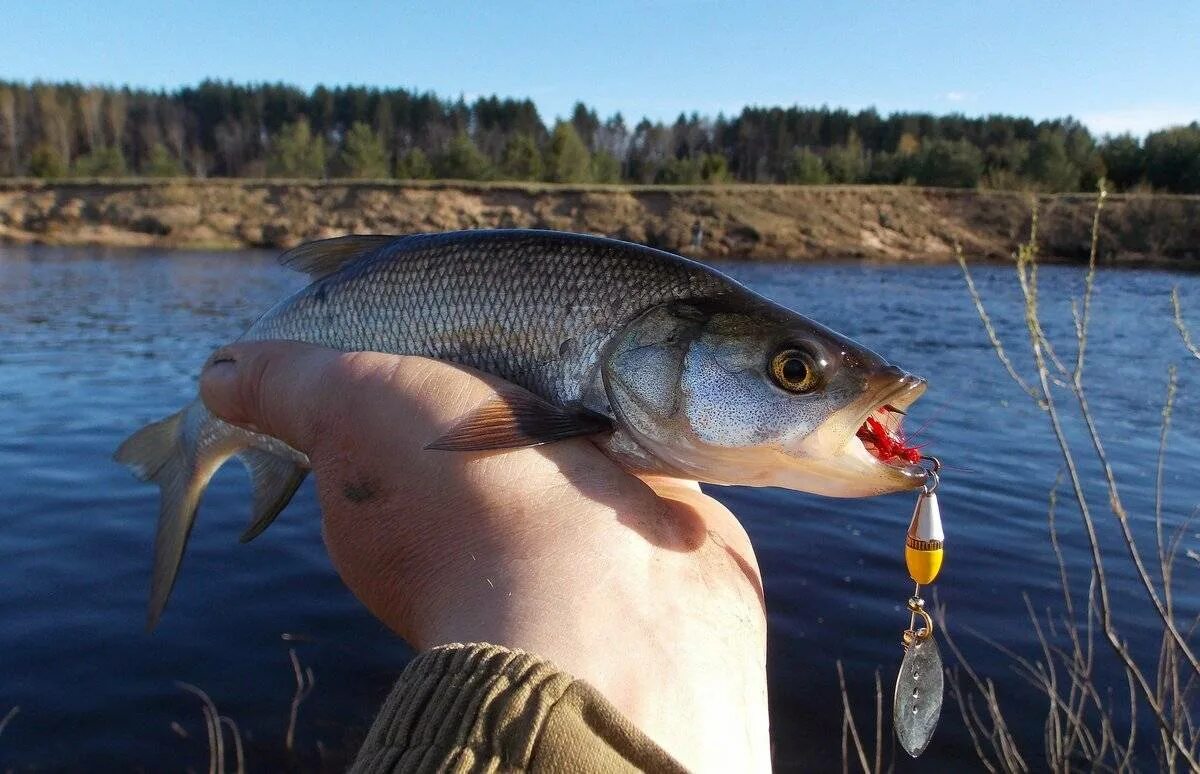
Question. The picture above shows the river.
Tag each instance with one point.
(96, 342)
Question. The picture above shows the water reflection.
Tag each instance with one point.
(94, 343)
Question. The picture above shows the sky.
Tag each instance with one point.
(1116, 66)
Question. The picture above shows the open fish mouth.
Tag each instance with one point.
(880, 431)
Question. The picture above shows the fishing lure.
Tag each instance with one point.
(919, 685)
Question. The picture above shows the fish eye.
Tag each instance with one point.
(794, 370)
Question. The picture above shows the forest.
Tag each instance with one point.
(221, 129)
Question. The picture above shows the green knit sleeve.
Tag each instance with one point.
(483, 708)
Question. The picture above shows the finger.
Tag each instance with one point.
(304, 394)
(272, 387)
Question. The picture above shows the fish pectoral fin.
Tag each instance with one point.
(516, 419)
(275, 480)
(325, 256)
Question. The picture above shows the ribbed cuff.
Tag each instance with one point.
(485, 708)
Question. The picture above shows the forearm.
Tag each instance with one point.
(619, 608)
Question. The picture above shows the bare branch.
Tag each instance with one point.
(239, 753)
(304, 685)
(1067, 726)
(1081, 321)
(8, 716)
(216, 741)
(849, 719)
(988, 327)
(1184, 332)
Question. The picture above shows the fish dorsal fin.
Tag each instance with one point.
(325, 256)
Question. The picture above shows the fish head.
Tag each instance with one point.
(760, 396)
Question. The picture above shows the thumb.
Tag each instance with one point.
(270, 387)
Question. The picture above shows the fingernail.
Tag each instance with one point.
(220, 357)
(219, 384)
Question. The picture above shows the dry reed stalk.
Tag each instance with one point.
(1079, 720)
(304, 685)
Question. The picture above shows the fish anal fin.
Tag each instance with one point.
(325, 256)
(515, 419)
(275, 481)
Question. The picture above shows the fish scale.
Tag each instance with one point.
(503, 302)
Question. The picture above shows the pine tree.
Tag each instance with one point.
(1049, 165)
(1173, 158)
(414, 165)
(296, 152)
(161, 163)
(846, 163)
(100, 162)
(363, 154)
(522, 160)
(463, 161)
(45, 162)
(957, 164)
(605, 167)
(567, 158)
(803, 167)
(714, 168)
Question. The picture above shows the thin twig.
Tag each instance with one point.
(849, 719)
(878, 723)
(990, 329)
(238, 752)
(1027, 277)
(1168, 407)
(1081, 325)
(1184, 332)
(304, 685)
(8, 716)
(1067, 729)
(216, 739)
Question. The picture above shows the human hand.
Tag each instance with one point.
(643, 586)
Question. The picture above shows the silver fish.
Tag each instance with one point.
(670, 366)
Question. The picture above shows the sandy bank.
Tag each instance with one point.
(762, 222)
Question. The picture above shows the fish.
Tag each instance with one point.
(668, 365)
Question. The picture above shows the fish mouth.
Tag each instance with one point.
(880, 435)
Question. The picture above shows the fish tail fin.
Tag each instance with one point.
(158, 452)
(151, 449)
(166, 453)
(275, 480)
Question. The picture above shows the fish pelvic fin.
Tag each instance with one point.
(275, 480)
(325, 256)
(515, 419)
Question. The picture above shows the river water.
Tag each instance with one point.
(95, 342)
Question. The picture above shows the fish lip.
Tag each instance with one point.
(904, 391)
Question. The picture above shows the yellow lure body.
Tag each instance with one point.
(923, 543)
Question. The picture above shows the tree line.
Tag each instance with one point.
(221, 129)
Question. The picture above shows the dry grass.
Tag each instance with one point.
(1081, 724)
(217, 726)
(1091, 720)
(8, 716)
(304, 685)
(215, 723)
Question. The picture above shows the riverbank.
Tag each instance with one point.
(886, 223)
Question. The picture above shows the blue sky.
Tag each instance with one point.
(1116, 66)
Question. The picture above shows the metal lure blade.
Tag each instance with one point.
(918, 703)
